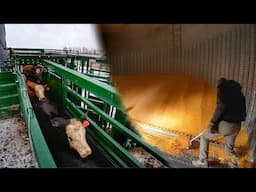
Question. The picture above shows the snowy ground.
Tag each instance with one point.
(15, 149)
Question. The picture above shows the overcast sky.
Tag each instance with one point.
(51, 36)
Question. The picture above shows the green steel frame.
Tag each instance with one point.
(9, 102)
(104, 91)
(24, 57)
(107, 94)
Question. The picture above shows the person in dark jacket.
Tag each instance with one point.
(3, 52)
(226, 121)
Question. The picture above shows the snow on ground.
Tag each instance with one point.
(15, 149)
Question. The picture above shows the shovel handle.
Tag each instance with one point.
(199, 135)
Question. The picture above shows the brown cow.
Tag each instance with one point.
(33, 77)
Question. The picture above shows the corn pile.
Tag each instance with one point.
(173, 104)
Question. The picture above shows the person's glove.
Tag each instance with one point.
(213, 127)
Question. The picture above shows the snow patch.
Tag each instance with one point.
(15, 149)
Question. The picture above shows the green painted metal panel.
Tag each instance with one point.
(27, 56)
(9, 111)
(101, 60)
(10, 91)
(120, 127)
(8, 100)
(6, 86)
(102, 90)
(27, 49)
(56, 92)
(117, 152)
(99, 70)
(6, 77)
(98, 76)
(9, 103)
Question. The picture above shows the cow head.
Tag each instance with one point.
(76, 134)
(39, 92)
(38, 71)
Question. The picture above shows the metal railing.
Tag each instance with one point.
(108, 94)
(83, 64)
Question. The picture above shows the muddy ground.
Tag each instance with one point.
(145, 158)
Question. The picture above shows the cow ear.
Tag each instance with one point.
(84, 117)
(85, 123)
(66, 122)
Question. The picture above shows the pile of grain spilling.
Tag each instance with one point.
(172, 104)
